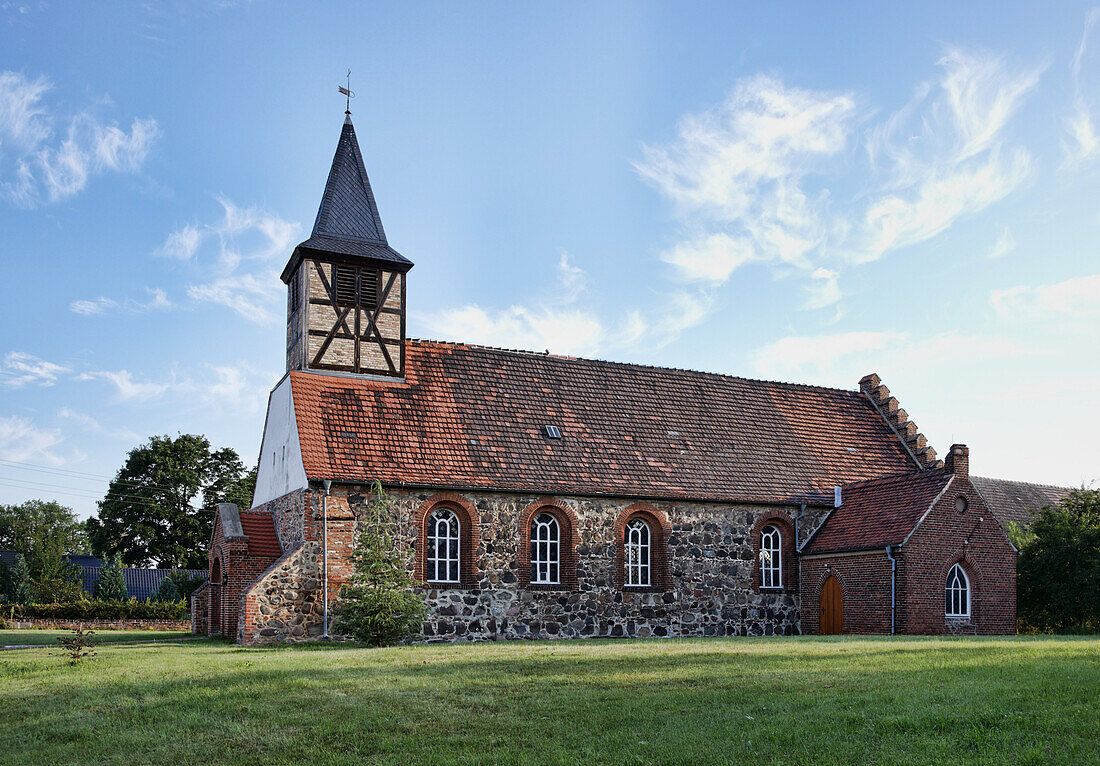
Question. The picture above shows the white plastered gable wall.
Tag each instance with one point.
(281, 469)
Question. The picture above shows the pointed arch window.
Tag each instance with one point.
(771, 557)
(957, 593)
(444, 548)
(545, 550)
(636, 547)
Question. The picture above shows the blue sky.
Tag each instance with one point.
(785, 191)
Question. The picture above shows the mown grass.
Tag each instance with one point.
(808, 700)
(49, 637)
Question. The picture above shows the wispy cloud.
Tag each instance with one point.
(94, 426)
(841, 359)
(40, 167)
(182, 243)
(752, 179)
(1074, 297)
(96, 306)
(23, 441)
(1004, 245)
(127, 388)
(1081, 142)
(21, 369)
(253, 297)
(237, 388)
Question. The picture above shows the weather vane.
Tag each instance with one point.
(348, 92)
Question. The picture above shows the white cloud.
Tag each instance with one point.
(182, 243)
(823, 290)
(254, 297)
(94, 426)
(127, 388)
(102, 305)
(1081, 142)
(21, 368)
(841, 359)
(709, 259)
(41, 169)
(22, 441)
(1075, 297)
(1004, 245)
(944, 154)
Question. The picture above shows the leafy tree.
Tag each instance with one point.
(378, 605)
(43, 532)
(159, 506)
(177, 586)
(112, 583)
(21, 588)
(1058, 573)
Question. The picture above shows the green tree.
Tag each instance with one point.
(1058, 572)
(378, 605)
(112, 583)
(160, 505)
(43, 532)
(21, 586)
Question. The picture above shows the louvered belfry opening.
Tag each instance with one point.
(351, 283)
(356, 287)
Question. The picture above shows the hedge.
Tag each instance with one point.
(95, 609)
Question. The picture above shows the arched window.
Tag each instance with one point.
(636, 548)
(444, 546)
(957, 601)
(771, 557)
(545, 550)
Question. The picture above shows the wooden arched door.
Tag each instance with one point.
(832, 608)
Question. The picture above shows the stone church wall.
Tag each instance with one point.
(711, 567)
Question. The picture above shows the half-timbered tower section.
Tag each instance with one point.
(541, 496)
(345, 284)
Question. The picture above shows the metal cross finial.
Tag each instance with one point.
(348, 92)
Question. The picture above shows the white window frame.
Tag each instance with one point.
(637, 553)
(545, 550)
(956, 593)
(771, 557)
(434, 563)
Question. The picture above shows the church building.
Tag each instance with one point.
(545, 496)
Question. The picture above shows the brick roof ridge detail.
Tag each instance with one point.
(889, 409)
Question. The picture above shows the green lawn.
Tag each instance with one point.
(850, 700)
(49, 637)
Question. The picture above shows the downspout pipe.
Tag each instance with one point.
(324, 555)
(798, 556)
(893, 585)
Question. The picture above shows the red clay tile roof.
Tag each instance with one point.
(878, 513)
(259, 528)
(472, 417)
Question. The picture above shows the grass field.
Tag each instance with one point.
(850, 700)
(49, 637)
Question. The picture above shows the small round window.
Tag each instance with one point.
(961, 504)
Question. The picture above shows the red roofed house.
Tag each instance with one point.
(549, 496)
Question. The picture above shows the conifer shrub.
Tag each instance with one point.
(379, 604)
(112, 584)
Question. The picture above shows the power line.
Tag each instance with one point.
(67, 473)
(79, 492)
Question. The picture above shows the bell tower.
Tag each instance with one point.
(346, 285)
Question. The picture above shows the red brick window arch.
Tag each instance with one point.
(641, 540)
(773, 548)
(548, 540)
(447, 539)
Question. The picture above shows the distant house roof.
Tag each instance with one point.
(7, 558)
(878, 513)
(1016, 501)
(474, 417)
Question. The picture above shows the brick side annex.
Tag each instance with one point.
(540, 496)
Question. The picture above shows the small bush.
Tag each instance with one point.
(378, 605)
(96, 609)
(112, 584)
(78, 646)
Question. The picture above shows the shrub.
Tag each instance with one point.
(54, 590)
(95, 609)
(78, 646)
(1058, 574)
(20, 586)
(176, 586)
(112, 584)
(378, 606)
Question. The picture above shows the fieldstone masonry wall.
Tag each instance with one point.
(710, 559)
